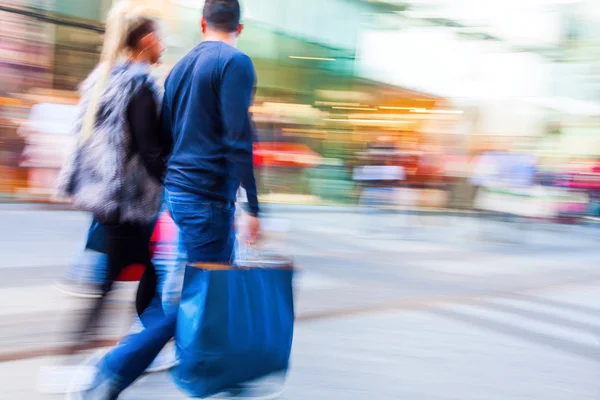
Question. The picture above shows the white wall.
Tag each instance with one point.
(519, 22)
(434, 60)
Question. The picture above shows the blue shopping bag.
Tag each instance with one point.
(234, 325)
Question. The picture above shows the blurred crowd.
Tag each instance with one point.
(36, 134)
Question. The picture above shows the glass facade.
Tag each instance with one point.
(308, 91)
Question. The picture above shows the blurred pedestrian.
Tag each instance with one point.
(380, 183)
(206, 112)
(116, 170)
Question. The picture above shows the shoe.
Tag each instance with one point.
(60, 379)
(165, 360)
(99, 391)
(81, 290)
(99, 387)
(263, 390)
(248, 393)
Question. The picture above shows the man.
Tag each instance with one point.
(206, 112)
(206, 109)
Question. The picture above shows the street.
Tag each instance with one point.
(388, 306)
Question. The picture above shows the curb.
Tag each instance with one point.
(35, 206)
(357, 209)
(267, 207)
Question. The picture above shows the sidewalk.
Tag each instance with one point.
(343, 271)
(37, 319)
(541, 345)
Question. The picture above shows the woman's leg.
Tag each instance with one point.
(147, 289)
(118, 244)
(149, 282)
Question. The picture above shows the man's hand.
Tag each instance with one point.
(252, 225)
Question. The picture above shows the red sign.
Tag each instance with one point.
(285, 154)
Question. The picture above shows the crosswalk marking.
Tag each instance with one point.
(506, 266)
(568, 324)
(30, 299)
(513, 320)
(568, 312)
(586, 297)
(47, 298)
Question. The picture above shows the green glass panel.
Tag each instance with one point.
(84, 9)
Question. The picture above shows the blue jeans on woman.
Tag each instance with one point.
(206, 235)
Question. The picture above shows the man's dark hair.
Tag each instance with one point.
(222, 15)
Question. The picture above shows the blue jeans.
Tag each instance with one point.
(206, 235)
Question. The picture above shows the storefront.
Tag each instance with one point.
(25, 50)
(307, 89)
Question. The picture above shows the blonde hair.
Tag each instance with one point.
(123, 18)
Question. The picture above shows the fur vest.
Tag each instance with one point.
(101, 175)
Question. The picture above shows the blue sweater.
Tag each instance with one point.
(206, 112)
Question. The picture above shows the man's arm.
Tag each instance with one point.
(237, 88)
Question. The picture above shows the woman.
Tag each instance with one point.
(116, 169)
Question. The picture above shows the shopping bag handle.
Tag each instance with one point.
(213, 266)
(249, 257)
(229, 267)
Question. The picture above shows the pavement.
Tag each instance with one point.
(540, 345)
(389, 307)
